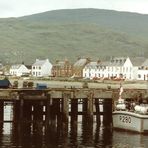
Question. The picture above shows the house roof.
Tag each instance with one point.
(16, 66)
(80, 63)
(145, 63)
(104, 63)
(28, 66)
(92, 64)
(137, 61)
(61, 64)
(39, 62)
(117, 61)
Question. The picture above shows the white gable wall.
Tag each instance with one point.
(128, 70)
(46, 69)
(42, 70)
(19, 71)
(142, 74)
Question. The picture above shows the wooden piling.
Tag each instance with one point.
(53, 113)
(74, 111)
(74, 117)
(107, 112)
(16, 109)
(65, 113)
(1, 110)
(38, 111)
(97, 105)
(84, 110)
(27, 110)
(65, 107)
(88, 109)
(47, 111)
(21, 108)
(90, 106)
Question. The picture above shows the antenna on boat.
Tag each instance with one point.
(120, 91)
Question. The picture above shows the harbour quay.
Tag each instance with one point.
(58, 104)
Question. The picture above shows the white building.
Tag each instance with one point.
(41, 68)
(95, 70)
(18, 70)
(121, 67)
(118, 67)
(143, 71)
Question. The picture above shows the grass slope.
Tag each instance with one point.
(70, 34)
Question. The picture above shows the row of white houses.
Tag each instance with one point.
(118, 67)
(38, 69)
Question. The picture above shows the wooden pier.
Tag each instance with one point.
(57, 107)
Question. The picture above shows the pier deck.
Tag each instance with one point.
(56, 104)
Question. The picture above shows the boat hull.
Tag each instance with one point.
(130, 121)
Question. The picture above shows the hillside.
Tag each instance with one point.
(73, 33)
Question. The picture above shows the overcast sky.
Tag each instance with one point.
(15, 8)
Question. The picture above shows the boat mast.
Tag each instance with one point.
(120, 91)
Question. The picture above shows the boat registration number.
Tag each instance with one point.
(125, 119)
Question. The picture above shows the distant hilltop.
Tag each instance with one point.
(72, 33)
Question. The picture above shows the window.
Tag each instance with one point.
(139, 76)
(112, 69)
(108, 69)
(130, 69)
(39, 67)
(123, 69)
(126, 69)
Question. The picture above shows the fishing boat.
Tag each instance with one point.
(133, 118)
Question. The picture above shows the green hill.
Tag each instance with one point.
(73, 33)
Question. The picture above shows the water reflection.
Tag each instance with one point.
(129, 140)
(33, 135)
(81, 134)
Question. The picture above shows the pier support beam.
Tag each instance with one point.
(27, 110)
(74, 117)
(87, 120)
(1, 110)
(38, 117)
(59, 114)
(50, 115)
(90, 107)
(97, 105)
(65, 113)
(53, 112)
(65, 107)
(74, 111)
(38, 111)
(21, 108)
(16, 108)
(107, 109)
(47, 112)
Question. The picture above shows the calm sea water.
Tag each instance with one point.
(14, 135)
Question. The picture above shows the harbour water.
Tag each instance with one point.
(26, 135)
